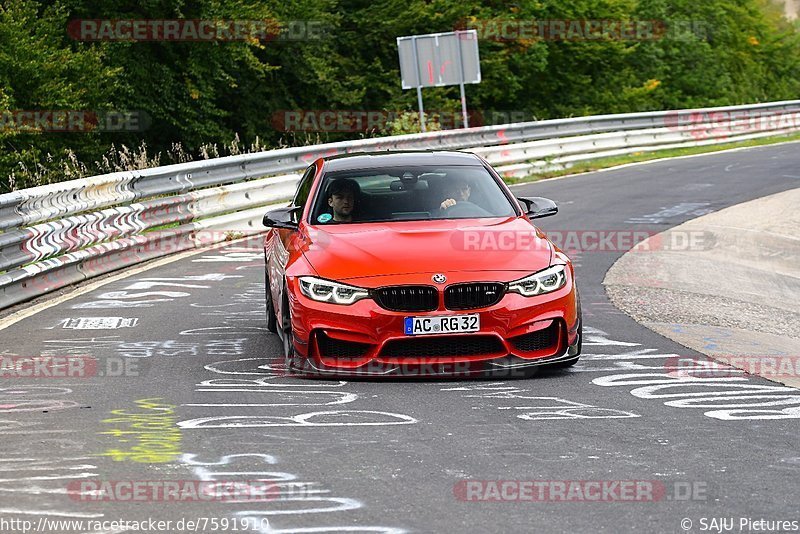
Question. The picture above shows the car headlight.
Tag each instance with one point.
(328, 291)
(547, 281)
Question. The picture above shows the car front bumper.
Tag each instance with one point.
(364, 339)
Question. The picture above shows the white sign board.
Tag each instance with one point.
(439, 59)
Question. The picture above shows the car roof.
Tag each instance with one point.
(370, 160)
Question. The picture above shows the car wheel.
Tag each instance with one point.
(289, 355)
(272, 319)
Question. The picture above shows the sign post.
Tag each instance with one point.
(438, 60)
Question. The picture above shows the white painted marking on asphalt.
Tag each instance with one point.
(27, 480)
(288, 480)
(714, 402)
(591, 412)
(99, 323)
(225, 460)
(91, 286)
(696, 209)
(303, 420)
(641, 354)
(230, 257)
(49, 512)
(735, 397)
(763, 415)
(542, 408)
(340, 397)
(128, 295)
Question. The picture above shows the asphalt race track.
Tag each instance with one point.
(189, 388)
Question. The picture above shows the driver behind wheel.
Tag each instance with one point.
(459, 191)
(342, 194)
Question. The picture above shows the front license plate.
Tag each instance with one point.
(443, 324)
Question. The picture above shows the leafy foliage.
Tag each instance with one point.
(197, 96)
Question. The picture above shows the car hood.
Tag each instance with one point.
(362, 250)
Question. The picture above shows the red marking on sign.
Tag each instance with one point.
(444, 66)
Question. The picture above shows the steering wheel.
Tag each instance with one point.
(465, 208)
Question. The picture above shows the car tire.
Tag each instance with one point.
(272, 319)
(289, 355)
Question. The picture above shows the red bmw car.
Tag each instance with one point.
(416, 263)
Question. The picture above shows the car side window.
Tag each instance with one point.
(303, 189)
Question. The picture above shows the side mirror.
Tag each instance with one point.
(538, 207)
(281, 218)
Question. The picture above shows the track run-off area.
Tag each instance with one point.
(187, 388)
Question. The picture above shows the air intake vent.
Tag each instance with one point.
(539, 340)
(473, 295)
(407, 298)
(337, 348)
(443, 346)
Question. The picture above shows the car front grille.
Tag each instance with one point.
(338, 348)
(539, 340)
(407, 298)
(443, 346)
(473, 295)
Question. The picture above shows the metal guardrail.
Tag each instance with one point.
(523, 159)
(56, 235)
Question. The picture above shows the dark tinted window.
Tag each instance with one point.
(304, 187)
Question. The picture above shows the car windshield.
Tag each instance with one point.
(409, 193)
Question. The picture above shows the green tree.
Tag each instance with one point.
(716, 52)
(40, 69)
